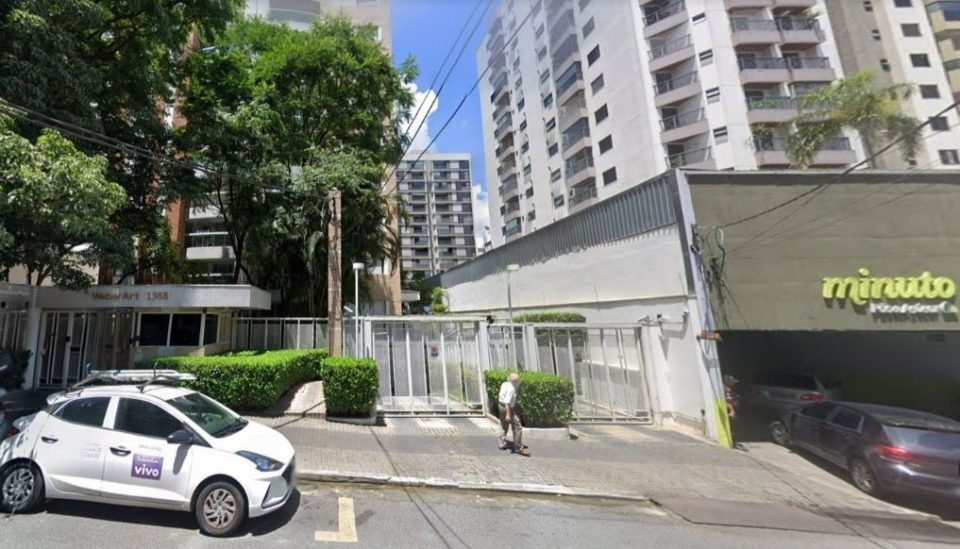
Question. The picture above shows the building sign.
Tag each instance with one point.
(124, 296)
(924, 294)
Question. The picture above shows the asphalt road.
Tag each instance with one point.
(393, 517)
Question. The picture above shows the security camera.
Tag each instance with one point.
(644, 318)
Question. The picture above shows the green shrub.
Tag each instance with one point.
(14, 376)
(350, 386)
(556, 317)
(247, 380)
(544, 400)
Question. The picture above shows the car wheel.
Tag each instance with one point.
(863, 477)
(21, 488)
(220, 509)
(779, 433)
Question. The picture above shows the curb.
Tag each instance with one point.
(502, 487)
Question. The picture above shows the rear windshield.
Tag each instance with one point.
(793, 381)
(920, 422)
(931, 439)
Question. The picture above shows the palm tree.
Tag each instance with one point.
(857, 103)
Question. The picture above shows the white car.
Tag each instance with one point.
(148, 446)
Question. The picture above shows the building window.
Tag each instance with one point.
(956, 43)
(699, 17)
(554, 149)
(902, 3)
(593, 56)
(920, 59)
(951, 13)
(720, 135)
(525, 147)
(539, 31)
(523, 125)
(875, 34)
(601, 114)
(154, 329)
(885, 65)
(910, 29)
(609, 176)
(867, 5)
(177, 330)
(606, 144)
(552, 123)
(588, 28)
(555, 176)
(522, 103)
(597, 84)
(949, 157)
(929, 91)
(939, 124)
(706, 57)
(713, 95)
(584, 4)
(548, 100)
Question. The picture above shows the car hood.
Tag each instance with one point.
(257, 438)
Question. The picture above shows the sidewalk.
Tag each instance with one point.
(613, 460)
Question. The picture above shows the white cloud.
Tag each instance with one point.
(421, 102)
(481, 216)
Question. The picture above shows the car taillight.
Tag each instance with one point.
(893, 452)
(812, 397)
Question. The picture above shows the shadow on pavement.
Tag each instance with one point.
(170, 519)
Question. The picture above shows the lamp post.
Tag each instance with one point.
(511, 268)
(357, 267)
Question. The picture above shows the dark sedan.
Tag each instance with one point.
(885, 449)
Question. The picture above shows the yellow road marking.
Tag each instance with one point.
(348, 525)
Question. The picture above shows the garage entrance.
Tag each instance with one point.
(918, 370)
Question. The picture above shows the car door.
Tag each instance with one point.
(140, 465)
(71, 447)
(806, 425)
(840, 434)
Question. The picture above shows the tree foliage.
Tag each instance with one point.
(286, 116)
(55, 203)
(857, 103)
(109, 66)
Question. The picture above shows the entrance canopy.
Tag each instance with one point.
(180, 296)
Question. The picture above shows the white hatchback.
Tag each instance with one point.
(148, 446)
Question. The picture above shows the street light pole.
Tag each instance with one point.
(510, 269)
(357, 267)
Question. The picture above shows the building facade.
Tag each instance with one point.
(944, 18)
(897, 41)
(438, 232)
(589, 97)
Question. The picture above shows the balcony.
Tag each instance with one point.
(571, 112)
(215, 246)
(802, 32)
(580, 166)
(503, 124)
(506, 171)
(795, 4)
(582, 196)
(754, 32)
(509, 190)
(512, 228)
(506, 150)
(571, 139)
(670, 53)
(204, 212)
(810, 69)
(771, 151)
(565, 53)
(774, 110)
(683, 126)
(694, 159)
(569, 83)
(763, 70)
(677, 89)
(738, 4)
(665, 18)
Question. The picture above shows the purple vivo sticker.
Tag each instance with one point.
(148, 467)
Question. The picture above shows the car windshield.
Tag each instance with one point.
(213, 417)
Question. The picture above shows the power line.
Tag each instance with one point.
(467, 95)
(844, 173)
(812, 194)
(436, 76)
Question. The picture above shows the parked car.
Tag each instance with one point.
(151, 446)
(770, 395)
(885, 449)
(17, 404)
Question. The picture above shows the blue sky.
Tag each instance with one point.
(426, 29)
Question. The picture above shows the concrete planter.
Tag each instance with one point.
(541, 433)
(368, 420)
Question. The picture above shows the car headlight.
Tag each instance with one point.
(263, 463)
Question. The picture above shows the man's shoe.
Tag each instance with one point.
(525, 452)
(503, 446)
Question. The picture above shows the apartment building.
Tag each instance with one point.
(944, 18)
(438, 232)
(591, 97)
(897, 39)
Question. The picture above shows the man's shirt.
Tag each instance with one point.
(508, 394)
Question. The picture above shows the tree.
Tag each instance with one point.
(286, 116)
(438, 301)
(55, 203)
(857, 103)
(110, 66)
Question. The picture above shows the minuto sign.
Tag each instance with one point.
(913, 295)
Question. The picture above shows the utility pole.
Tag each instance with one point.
(334, 294)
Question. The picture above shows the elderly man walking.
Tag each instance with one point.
(508, 415)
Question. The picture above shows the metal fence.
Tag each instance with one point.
(434, 365)
(12, 329)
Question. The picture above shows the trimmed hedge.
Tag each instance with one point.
(556, 317)
(350, 386)
(247, 380)
(544, 400)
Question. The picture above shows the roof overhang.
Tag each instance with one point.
(173, 296)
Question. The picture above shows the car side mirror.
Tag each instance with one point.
(180, 436)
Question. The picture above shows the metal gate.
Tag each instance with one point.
(427, 365)
(72, 342)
